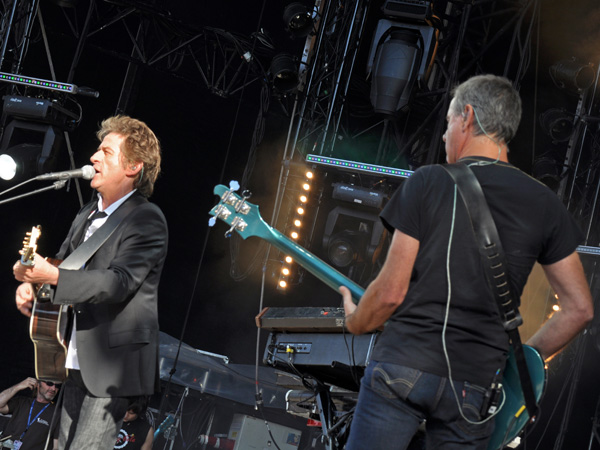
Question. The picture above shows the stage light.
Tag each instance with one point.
(298, 19)
(8, 167)
(346, 248)
(309, 175)
(352, 235)
(282, 284)
(303, 198)
(572, 74)
(394, 70)
(285, 271)
(284, 73)
(300, 210)
(558, 124)
(289, 259)
(28, 149)
(297, 223)
(306, 187)
(294, 235)
(549, 171)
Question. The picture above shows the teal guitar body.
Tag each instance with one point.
(244, 218)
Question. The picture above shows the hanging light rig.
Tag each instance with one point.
(296, 228)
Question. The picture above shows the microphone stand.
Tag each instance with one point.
(56, 185)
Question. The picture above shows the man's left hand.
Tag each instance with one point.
(349, 305)
(41, 272)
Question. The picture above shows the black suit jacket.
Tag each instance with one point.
(115, 301)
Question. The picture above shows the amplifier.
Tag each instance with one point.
(338, 359)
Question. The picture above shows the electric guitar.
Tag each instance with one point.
(244, 218)
(47, 327)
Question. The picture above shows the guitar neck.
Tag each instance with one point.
(245, 218)
(313, 264)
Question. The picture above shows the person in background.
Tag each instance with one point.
(31, 417)
(136, 433)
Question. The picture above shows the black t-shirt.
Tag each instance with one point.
(35, 437)
(132, 434)
(533, 226)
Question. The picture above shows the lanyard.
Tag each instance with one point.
(29, 421)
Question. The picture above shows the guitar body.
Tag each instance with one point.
(48, 324)
(245, 219)
(512, 418)
(47, 330)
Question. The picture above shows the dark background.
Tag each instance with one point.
(206, 141)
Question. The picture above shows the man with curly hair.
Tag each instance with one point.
(113, 346)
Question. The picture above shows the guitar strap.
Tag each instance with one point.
(82, 253)
(494, 263)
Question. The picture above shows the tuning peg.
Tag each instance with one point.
(212, 221)
(234, 185)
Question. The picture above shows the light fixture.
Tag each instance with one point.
(394, 69)
(8, 167)
(28, 149)
(558, 124)
(298, 19)
(549, 171)
(346, 247)
(284, 73)
(351, 236)
(572, 74)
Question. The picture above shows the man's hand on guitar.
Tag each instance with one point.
(41, 272)
(349, 305)
(24, 298)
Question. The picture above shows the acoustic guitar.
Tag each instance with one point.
(47, 327)
(244, 218)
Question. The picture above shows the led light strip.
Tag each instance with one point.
(358, 166)
(588, 250)
(38, 82)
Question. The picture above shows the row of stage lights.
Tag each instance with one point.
(301, 205)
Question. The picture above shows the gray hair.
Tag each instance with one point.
(496, 103)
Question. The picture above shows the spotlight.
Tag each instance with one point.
(394, 69)
(284, 72)
(558, 124)
(28, 149)
(8, 167)
(298, 19)
(572, 74)
(346, 247)
(547, 170)
(351, 235)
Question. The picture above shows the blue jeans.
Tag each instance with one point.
(394, 400)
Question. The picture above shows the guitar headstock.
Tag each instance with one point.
(241, 215)
(30, 245)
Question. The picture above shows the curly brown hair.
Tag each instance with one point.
(140, 145)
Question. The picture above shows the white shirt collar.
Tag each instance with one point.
(113, 207)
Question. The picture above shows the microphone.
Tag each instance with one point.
(86, 172)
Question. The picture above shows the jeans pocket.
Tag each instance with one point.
(393, 381)
(473, 397)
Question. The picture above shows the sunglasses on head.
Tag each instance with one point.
(51, 383)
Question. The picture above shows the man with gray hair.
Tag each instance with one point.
(444, 345)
